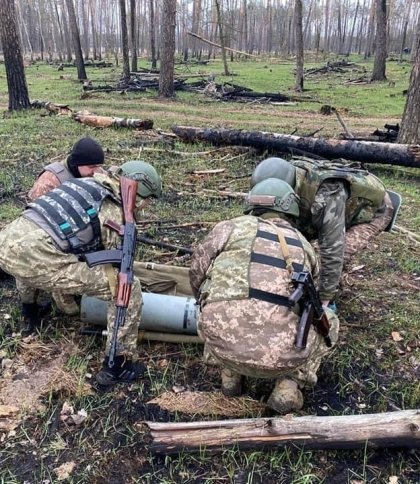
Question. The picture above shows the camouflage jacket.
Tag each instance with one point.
(240, 277)
(51, 177)
(333, 198)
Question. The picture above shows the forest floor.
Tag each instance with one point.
(63, 431)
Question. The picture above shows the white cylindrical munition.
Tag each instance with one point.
(160, 313)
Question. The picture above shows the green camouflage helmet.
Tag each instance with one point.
(150, 184)
(274, 168)
(274, 195)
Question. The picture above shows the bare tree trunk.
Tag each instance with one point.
(326, 31)
(222, 37)
(133, 35)
(404, 29)
(65, 30)
(26, 32)
(93, 29)
(81, 71)
(167, 49)
(124, 42)
(299, 46)
(371, 31)
(13, 59)
(152, 33)
(85, 21)
(379, 64)
(352, 29)
(410, 126)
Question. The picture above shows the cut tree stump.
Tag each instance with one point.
(364, 151)
(378, 430)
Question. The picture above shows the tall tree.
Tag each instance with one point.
(124, 42)
(379, 64)
(152, 33)
(13, 59)
(222, 37)
(167, 49)
(410, 125)
(133, 35)
(81, 71)
(299, 45)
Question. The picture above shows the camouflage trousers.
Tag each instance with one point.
(28, 253)
(300, 366)
(359, 236)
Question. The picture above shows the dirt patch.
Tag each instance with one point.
(37, 370)
(209, 403)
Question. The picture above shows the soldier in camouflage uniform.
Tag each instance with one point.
(340, 206)
(42, 249)
(85, 159)
(241, 276)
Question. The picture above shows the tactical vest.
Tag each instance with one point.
(252, 264)
(366, 191)
(60, 170)
(70, 212)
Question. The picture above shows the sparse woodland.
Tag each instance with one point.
(142, 77)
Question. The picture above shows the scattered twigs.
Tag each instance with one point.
(164, 245)
(338, 66)
(410, 235)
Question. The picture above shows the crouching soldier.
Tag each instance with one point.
(85, 158)
(44, 249)
(342, 207)
(242, 277)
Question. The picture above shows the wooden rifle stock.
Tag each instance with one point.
(125, 274)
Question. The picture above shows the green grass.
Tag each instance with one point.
(368, 372)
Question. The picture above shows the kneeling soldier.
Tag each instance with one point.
(45, 246)
(242, 277)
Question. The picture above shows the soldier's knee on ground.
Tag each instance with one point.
(231, 383)
(66, 303)
(285, 396)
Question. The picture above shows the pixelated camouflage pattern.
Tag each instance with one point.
(29, 254)
(247, 335)
(365, 195)
(51, 177)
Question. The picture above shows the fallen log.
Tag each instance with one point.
(52, 108)
(378, 430)
(364, 151)
(108, 121)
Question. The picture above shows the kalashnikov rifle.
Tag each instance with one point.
(312, 310)
(123, 257)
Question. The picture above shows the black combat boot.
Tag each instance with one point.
(123, 371)
(30, 318)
